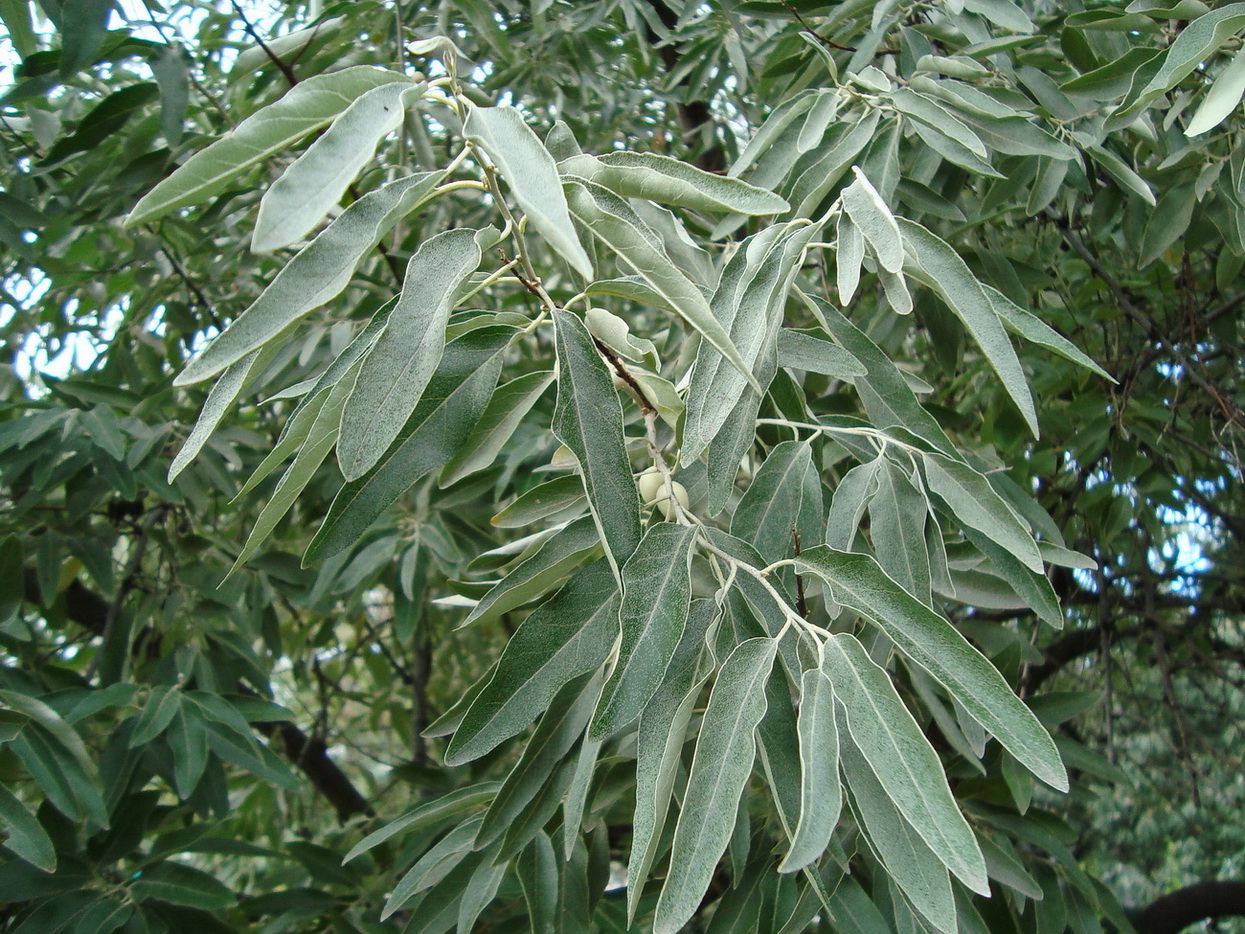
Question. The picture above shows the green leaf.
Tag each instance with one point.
(559, 729)
(615, 333)
(908, 861)
(803, 351)
(856, 581)
(314, 184)
(455, 398)
(819, 179)
(656, 596)
(568, 635)
(659, 744)
(902, 759)
(783, 500)
(589, 421)
(179, 884)
(1194, 45)
(851, 497)
(897, 514)
(242, 750)
(665, 180)
(318, 274)
(576, 800)
(307, 107)
(874, 220)
(26, 836)
(162, 706)
(556, 557)
(1033, 329)
(223, 394)
(723, 762)
(884, 392)
(748, 305)
(427, 814)
(848, 255)
(537, 869)
(821, 798)
(404, 357)
(780, 118)
(320, 439)
(434, 866)
(972, 501)
(1223, 97)
(83, 26)
(506, 410)
(940, 267)
(12, 578)
(188, 740)
(1122, 173)
(532, 175)
(480, 890)
(540, 502)
(618, 226)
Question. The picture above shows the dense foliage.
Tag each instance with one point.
(563, 466)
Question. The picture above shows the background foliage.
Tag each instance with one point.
(180, 751)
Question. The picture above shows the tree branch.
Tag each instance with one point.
(1175, 911)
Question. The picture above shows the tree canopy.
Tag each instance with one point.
(750, 466)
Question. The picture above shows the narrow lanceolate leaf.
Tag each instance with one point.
(401, 362)
(319, 273)
(565, 637)
(316, 181)
(908, 861)
(618, 226)
(532, 175)
(221, 397)
(902, 759)
(884, 392)
(857, 582)
(427, 815)
(659, 744)
(1033, 329)
(815, 355)
(565, 550)
(1223, 97)
(506, 411)
(748, 304)
(972, 501)
(940, 267)
(821, 798)
(308, 106)
(588, 420)
(24, 835)
(783, 500)
(656, 594)
(780, 118)
(665, 180)
(874, 219)
(437, 863)
(559, 729)
(319, 442)
(932, 113)
(848, 255)
(723, 762)
(847, 507)
(1194, 45)
(897, 527)
(537, 869)
(454, 399)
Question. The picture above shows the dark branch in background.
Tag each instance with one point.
(1177, 910)
(91, 611)
(694, 116)
(1125, 302)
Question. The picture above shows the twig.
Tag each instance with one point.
(272, 56)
